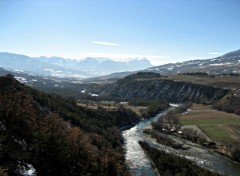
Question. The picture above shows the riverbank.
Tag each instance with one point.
(168, 164)
(202, 155)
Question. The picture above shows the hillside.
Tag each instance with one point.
(67, 87)
(228, 63)
(55, 136)
(154, 86)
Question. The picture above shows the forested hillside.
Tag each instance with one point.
(56, 136)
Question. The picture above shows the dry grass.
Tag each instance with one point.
(136, 109)
(231, 82)
(204, 114)
(220, 81)
(111, 106)
(96, 105)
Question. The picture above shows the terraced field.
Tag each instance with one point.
(232, 129)
(216, 133)
(219, 126)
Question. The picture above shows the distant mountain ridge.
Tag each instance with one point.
(228, 63)
(60, 67)
(101, 69)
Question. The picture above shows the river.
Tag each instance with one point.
(141, 165)
(138, 161)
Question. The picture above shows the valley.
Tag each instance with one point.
(213, 131)
(135, 110)
(119, 88)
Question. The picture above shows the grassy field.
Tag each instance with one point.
(232, 129)
(216, 133)
(205, 115)
(218, 125)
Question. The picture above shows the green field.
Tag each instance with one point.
(216, 133)
(218, 125)
(210, 121)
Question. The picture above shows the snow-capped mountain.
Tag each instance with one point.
(60, 67)
(228, 63)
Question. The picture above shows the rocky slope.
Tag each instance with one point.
(150, 86)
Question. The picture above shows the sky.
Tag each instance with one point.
(162, 31)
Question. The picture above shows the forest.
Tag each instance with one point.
(56, 136)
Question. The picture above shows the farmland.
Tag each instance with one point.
(219, 126)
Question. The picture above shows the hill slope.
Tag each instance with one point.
(228, 63)
(56, 136)
(154, 86)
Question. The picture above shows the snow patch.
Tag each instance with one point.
(93, 95)
(173, 105)
(220, 64)
(186, 112)
(21, 79)
(28, 171)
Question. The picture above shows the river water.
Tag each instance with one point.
(140, 164)
(138, 161)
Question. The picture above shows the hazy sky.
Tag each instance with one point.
(161, 30)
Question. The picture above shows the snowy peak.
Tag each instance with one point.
(228, 63)
(60, 67)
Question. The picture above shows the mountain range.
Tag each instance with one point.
(99, 69)
(60, 67)
(225, 64)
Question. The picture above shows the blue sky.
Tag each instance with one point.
(161, 30)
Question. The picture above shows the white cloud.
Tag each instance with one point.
(215, 53)
(105, 43)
